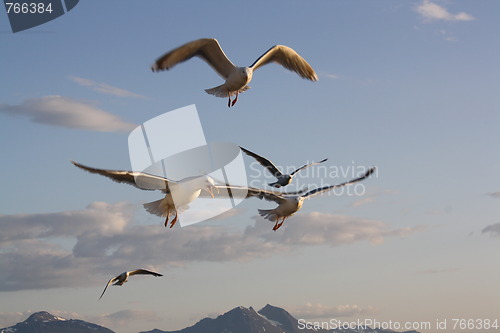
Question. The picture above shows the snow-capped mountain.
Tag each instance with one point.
(269, 319)
(44, 322)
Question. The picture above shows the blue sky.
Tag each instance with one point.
(411, 87)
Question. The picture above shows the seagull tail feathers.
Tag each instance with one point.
(268, 214)
(222, 91)
(155, 207)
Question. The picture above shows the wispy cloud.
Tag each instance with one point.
(66, 112)
(431, 11)
(493, 230)
(104, 88)
(318, 310)
(330, 75)
(495, 195)
(107, 239)
(372, 197)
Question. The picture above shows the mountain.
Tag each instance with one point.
(269, 319)
(44, 322)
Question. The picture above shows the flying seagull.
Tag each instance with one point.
(123, 277)
(236, 78)
(283, 180)
(178, 194)
(288, 203)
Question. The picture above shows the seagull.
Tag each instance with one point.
(236, 78)
(288, 203)
(283, 180)
(178, 194)
(123, 277)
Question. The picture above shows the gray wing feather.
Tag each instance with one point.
(143, 181)
(308, 165)
(264, 162)
(107, 285)
(328, 188)
(288, 58)
(144, 271)
(207, 49)
(242, 192)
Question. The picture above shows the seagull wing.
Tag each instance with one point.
(143, 271)
(307, 165)
(144, 181)
(264, 162)
(243, 192)
(107, 285)
(207, 49)
(288, 58)
(328, 188)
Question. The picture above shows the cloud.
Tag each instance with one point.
(495, 195)
(493, 229)
(124, 318)
(313, 311)
(53, 250)
(66, 112)
(371, 198)
(433, 12)
(104, 88)
(330, 75)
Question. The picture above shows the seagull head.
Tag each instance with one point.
(247, 73)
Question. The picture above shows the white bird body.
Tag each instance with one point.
(288, 203)
(289, 206)
(236, 78)
(123, 277)
(178, 194)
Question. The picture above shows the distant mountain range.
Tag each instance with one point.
(269, 319)
(44, 322)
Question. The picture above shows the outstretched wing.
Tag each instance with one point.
(288, 58)
(328, 188)
(207, 49)
(144, 181)
(308, 165)
(109, 282)
(264, 162)
(144, 271)
(243, 192)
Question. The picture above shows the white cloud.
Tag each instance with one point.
(104, 88)
(66, 112)
(313, 311)
(433, 12)
(493, 229)
(36, 255)
(330, 76)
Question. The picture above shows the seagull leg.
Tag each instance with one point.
(235, 100)
(168, 215)
(228, 99)
(174, 220)
(279, 225)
